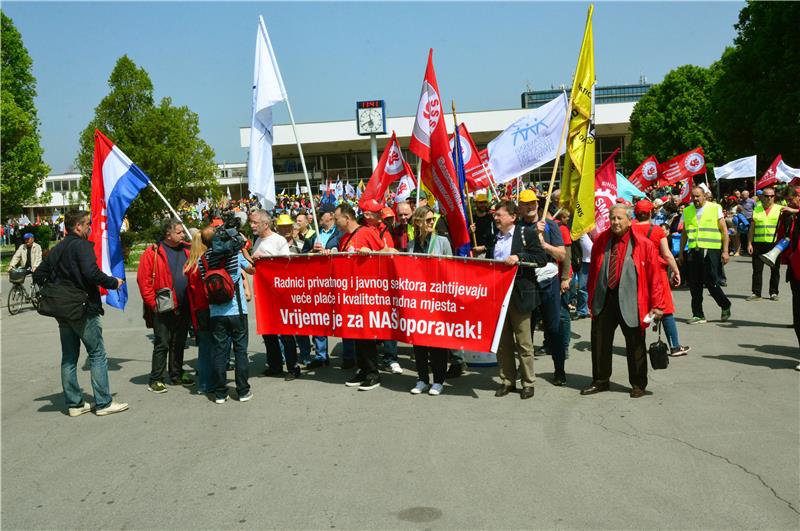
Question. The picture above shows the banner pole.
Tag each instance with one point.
(558, 152)
(456, 142)
(158, 192)
(419, 180)
(303, 162)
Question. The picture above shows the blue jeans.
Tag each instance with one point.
(304, 346)
(205, 361)
(550, 311)
(225, 329)
(565, 327)
(389, 351)
(582, 306)
(90, 332)
(671, 330)
(320, 344)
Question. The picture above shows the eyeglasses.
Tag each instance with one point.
(765, 196)
(430, 220)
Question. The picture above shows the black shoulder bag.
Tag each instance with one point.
(658, 352)
(61, 298)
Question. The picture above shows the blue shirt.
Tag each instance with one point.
(502, 245)
(325, 235)
(233, 265)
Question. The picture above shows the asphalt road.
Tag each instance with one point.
(714, 444)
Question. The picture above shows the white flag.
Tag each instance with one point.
(786, 173)
(737, 169)
(529, 142)
(349, 191)
(339, 189)
(297, 189)
(268, 90)
(405, 187)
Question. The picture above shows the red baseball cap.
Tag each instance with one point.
(387, 212)
(370, 205)
(643, 205)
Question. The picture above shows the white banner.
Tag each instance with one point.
(737, 169)
(529, 142)
(268, 90)
(786, 173)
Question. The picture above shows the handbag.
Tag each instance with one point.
(164, 299)
(62, 299)
(658, 352)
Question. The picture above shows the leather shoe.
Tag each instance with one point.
(594, 387)
(637, 393)
(503, 390)
(560, 380)
(527, 392)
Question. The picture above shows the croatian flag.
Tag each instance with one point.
(116, 181)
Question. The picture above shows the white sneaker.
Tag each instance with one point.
(395, 368)
(113, 407)
(245, 398)
(221, 400)
(436, 389)
(78, 411)
(420, 388)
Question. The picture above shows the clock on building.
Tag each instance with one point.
(371, 117)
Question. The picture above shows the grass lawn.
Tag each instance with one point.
(131, 264)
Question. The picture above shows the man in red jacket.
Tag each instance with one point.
(625, 288)
(789, 227)
(161, 268)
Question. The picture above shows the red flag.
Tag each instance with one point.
(770, 176)
(429, 142)
(476, 171)
(646, 174)
(683, 166)
(605, 192)
(686, 192)
(391, 167)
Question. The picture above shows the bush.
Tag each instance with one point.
(43, 234)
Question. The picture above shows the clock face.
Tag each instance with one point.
(370, 121)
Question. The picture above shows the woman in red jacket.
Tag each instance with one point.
(198, 301)
(789, 227)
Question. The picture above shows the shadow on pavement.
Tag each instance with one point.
(772, 363)
(114, 364)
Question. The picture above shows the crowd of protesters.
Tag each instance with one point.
(622, 278)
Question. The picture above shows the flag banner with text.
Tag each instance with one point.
(422, 300)
(605, 192)
(681, 167)
(646, 175)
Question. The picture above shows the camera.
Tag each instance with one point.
(227, 240)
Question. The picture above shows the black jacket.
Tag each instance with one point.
(78, 265)
(525, 295)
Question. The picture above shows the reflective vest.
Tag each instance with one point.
(703, 235)
(764, 224)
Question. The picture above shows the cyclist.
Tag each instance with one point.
(28, 255)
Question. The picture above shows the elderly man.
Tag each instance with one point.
(517, 243)
(625, 290)
(401, 231)
(28, 255)
(706, 235)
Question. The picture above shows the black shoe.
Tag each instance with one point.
(313, 364)
(455, 370)
(272, 372)
(370, 382)
(560, 380)
(595, 387)
(348, 364)
(527, 392)
(292, 375)
(231, 366)
(356, 380)
(503, 390)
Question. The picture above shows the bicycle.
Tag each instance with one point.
(18, 295)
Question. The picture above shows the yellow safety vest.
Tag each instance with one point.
(704, 235)
(764, 224)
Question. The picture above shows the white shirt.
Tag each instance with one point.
(720, 214)
(502, 246)
(272, 245)
(586, 248)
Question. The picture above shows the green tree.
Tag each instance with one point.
(163, 140)
(756, 99)
(673, 117)
(22, 169)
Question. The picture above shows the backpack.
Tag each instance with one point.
(742, 223)
(219, 285)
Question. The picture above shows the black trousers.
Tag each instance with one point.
(604, 325)
(760, 248)
(795, 284)
(367, 356)
(703, 268)
(274, 354)
(170, 332)
(438, 363)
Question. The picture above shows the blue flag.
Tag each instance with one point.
(458, 162)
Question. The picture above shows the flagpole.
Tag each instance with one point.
(558, 152)
(419, 180)
(466, 185)
(158, 192)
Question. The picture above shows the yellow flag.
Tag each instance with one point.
(577, 181)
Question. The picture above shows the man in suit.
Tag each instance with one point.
(626, 285)
(514, 244)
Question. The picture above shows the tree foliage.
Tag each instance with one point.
(22, 169)
(673, 117)
(163, 140)
(757, 96)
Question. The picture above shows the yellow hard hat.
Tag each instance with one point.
(284, 219)
(528, 196)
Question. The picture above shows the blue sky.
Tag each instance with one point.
(333, 54)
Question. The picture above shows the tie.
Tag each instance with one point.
(613, 266)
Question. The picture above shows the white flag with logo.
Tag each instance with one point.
(737, 169)
(268, 90)
(405, 187)
(786, 173)
(529, 142)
